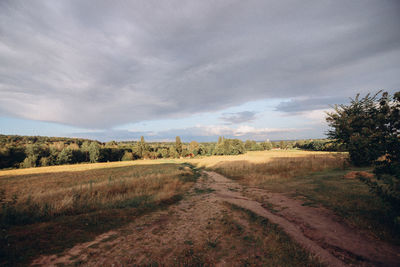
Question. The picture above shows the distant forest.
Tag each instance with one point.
(34, 151)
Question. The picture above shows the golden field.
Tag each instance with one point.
(258, 157)
(54, 194)
(279, 166)
(251, 156)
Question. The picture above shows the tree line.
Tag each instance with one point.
(34, 151)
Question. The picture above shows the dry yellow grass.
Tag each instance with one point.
(53, 194)
(257, 157)
(252, 156)
(79, 167)
(279, 165)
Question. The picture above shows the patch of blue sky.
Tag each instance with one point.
(210, 118)
(19, 126)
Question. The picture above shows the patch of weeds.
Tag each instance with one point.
(79, 263)
(188, 242)
(249, 238)
(212, 242)
(190, 257)
(203, 190)
(231, 225)
(74, 257)
(310, 204)
(189, 177)
(269, 206)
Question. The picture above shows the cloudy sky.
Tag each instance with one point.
(115, 70)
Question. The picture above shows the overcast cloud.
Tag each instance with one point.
(100, 64)
(238, 117)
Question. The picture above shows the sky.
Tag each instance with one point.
(116, 70)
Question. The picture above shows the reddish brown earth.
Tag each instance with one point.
(317, 229)
(191, 232)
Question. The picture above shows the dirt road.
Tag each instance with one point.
(199, 230)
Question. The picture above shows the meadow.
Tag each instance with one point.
(319, 179)
(53, 211)
(200, 161)
(49, 209)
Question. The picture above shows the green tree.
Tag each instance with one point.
(248, 144)
(65, 156)
(178, 146)
(85, 149)
(220, 139)
(142, 148)
(194, 147)
(45, 161)
(282, 145)
(94, 152)
(355, 125)
(33, 153)
(370, 129)
(127, 156)
(164, 152)
(267, 145)
(111, 144)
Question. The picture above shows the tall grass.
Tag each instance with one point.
(49, 212)
(280, 167)
(26, 199)
(319, 179)
(258, 157)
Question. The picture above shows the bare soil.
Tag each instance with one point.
(198, 231)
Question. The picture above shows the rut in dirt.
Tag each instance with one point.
(317, 229)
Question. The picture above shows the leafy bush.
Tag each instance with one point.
(370, 129)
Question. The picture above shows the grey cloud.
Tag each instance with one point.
(98, 64)
(238, 117)
(311, 103)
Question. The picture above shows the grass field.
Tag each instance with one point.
(48, 209)
(319, 179)
(80, 167)
(258, 157)
(252, 156)
(52, 211)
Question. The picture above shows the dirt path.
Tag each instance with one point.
(200, 229)
(317, 229)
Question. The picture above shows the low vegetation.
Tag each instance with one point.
(43, 208)
(267, 242)
(280, 168)
(321, 179)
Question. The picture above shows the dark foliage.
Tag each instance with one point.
(370, 130)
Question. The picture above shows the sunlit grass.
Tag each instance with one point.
(48, 212)
(54, 194)
(205, 161)
(257, 157)
(319, 179)
(80, 167)
(280, 167)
